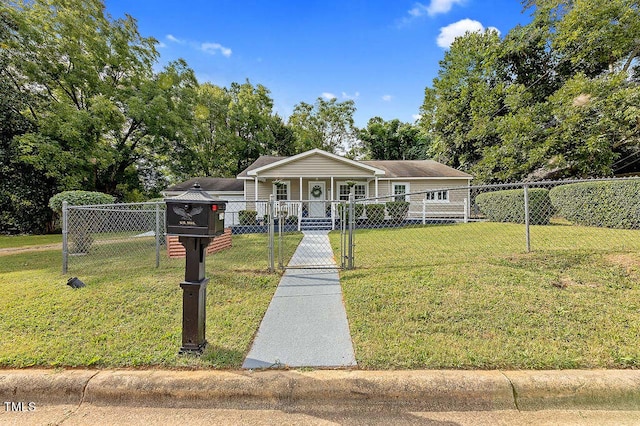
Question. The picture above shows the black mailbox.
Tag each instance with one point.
(196, 218)
(195, 214)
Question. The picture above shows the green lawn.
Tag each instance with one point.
(130, 313)
(15, 241)
(469, 296)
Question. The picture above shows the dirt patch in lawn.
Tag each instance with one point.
(17, 250)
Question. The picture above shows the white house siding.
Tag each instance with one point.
(453, 207)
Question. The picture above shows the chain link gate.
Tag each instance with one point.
(315, 249)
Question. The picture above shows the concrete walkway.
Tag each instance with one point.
(306, 322)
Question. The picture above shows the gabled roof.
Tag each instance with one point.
(386, 168)
(416, 168)
(267, 162)
(263, 160)
(210, 184)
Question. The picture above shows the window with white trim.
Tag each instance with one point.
(359, 191)
(437, 197)
(282, 191)
(399, 191)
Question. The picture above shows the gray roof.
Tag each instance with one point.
(392, 168)
(263, 160)
(210, 184)
(415, 168)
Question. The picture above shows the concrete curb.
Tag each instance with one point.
(329, 389)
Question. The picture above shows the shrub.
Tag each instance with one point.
(79, 198)
(82, 234)
(610, 204)
(398, 210)
(358, 209)
(375, 212)
(247, 217)
(508, 206)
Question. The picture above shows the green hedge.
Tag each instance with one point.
(611, 204)
(398, 210)
(358, 209)
(375, 212)
(79, 198)
(82, 236)
(247, 217)
(508, 206)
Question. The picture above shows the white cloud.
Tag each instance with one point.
(387, 98)
(214, 48)
(328, 95)
(418, 10)
(416, 117)
(458, 29)
(170, 37)
(210, 48)
(345, 95)
(161, 45)
(441, 6)
(435, 7)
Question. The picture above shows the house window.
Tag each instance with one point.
(399, 191)
(359, 191)
(437, 196)
(282, 191)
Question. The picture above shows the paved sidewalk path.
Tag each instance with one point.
(306, 323)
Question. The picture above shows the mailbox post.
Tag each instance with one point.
(196, 218)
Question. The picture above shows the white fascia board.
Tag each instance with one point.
(354, 163)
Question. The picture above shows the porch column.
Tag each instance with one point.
(376, 186)
(300, 189)
(331, 190)
(255, 180)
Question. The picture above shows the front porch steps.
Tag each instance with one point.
(315, 224)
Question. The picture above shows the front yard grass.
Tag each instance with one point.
(130, 313)
(468, 296)
(17, 241)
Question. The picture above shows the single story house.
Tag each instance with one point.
(310, 184)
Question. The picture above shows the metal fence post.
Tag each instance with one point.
(157, 235)
(351, 220)
(271, 209)
(342, 211)
(65, 240)
(526, 216)
(280, 225)
(424, 210)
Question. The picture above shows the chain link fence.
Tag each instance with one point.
(592, 215)
(257, 236)
(133, 231)
(600, 215)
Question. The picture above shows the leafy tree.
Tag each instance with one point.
(556, 98)
(98, 110)
(466, 96)
(23, 190)
(328, 125)
(232, 128)
(250, 118)
(595, 36)
(393, 140)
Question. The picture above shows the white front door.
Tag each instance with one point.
(317, 197)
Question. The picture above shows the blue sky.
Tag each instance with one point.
(381, 54)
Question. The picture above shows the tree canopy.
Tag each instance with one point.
(555, 98)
